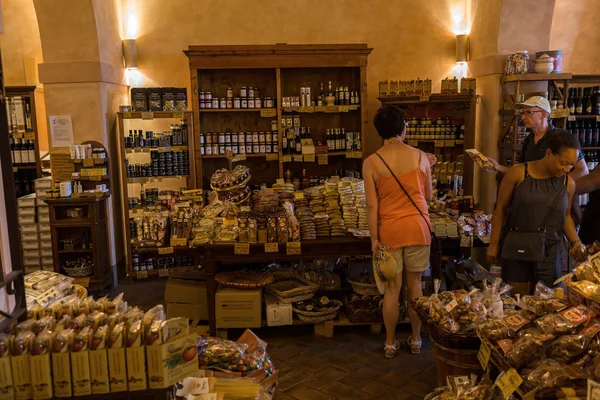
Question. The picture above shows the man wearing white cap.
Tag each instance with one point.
(535, 116)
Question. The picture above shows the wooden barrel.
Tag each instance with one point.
(455, 362)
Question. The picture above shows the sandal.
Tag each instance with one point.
(415, 348)
(391, 349)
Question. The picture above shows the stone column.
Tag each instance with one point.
(83, 76)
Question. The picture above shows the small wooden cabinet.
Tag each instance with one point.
(82, 222)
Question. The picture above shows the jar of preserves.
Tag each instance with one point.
(237, 103)
(208, 96)
(223, 103)
(250, 92)
(251, 103)
(215, 103)
(201, 96)
(257, 103)
(229, 102)
(229, 93)
(244, 102)
(243, 92)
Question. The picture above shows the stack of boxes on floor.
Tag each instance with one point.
(34, 223)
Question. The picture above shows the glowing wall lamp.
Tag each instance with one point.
(130, 53)
(462, 48)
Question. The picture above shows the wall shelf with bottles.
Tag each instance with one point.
(279, 101)
(443, 125)
(23, 137)
(156, 153)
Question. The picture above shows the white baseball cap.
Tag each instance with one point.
(536, 101)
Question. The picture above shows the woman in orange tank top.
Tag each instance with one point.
(395, 222)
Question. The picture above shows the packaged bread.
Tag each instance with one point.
(79, 322)
(61, 341)
(115, 337)
(95, 319)
(81, 340)
(99, 338)
(135, 334)
(46, 323)
(36, 311)
(5, 345)
(154, 335)
(42, 343)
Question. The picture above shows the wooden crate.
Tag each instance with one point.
(326, 328)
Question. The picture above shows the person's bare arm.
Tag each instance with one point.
(579, 169)
(588, 183)
(569, 226)
(511, 179)
(428, 186)
(372, 204)
(499, 168)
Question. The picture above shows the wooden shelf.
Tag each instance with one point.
(536, 77)
(147, 179)
(97, 161)
(433, 98)
(75, 251)
(590, 148)
(154, 250)
(156, 272)
(155, 114)
(24, 167)
(322, 109)
(141, 150)
(93, 178)
(232, 110)
(592, 117)
(253, 155)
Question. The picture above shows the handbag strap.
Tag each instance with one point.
(427, 222)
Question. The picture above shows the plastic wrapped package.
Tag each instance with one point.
(226, 233)
(524, 351)
(217, 351)
(590, 289)
(587, 272)
(554, 324)
(567, 347)
(494, 330)
(293, 224)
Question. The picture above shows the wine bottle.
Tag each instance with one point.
(579, 103)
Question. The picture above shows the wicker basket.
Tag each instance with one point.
(316, 320)
(80, 272)
(244, 279)
(289, 287)
(364, 288)
(329, 310)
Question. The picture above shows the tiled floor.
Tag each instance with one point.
(349, 366)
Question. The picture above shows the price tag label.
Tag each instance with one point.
(424, 97)
(272, 157)
(88, 162)
(349, 154)
(593, 392)
(287, 158)
(241, 248)
(461, 142)
(322, 159)
(162, 273)
(297, 158)
(178, 114)
(309, 158)
(331, 109)
(571, 118)
(268, 112)
(85, 282)
(95, 178)
(484, 355)
(128, 151)
(141, 275)
(466, 241)
(448, 143)
(145, 150)
(509, 382)
(165, 250)
(18, 135)
(452, 305)
(29, 135)
(438, 143)
(271, 247)
(299, 195)
(413, 143)
(245, 209)
(597, 118)
(320, 108)
(15, 169)
(148, 115)
(293, 248)
(306, 109)
(239, 157)
(127, 115)
(357, 154)
(343, 108)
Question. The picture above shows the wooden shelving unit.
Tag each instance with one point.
(277, 71)
(461, 108)
(512, 87)
(130, 187)
(93, 224)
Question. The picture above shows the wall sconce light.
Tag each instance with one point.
(462, 48)
(130, 53)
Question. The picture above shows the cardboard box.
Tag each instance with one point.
(185, 291)
(26, 201)
(29, 237)
(117, 368)
(44, 218)
(26, 211)
(45, 253)
(46, 244)
(45, 236)
(30, 245)
(43, 183)
(31, 253)
(46, 260)
(30, 270)
(277, 313)
(7, 391)
(195, 312)
(99, 371)
(43, 228)
(21, 372)
(237, 308)
(40, 201)
(136, 368)
(27, 219)
(61, 374)
(161, 372)
(41, 376)
(28, 228)
(80, 365)
(31, 262)
(44, 210)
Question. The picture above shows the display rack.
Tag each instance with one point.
(27, 107)
(462, 111)
(88, 230)
(132, 187)
(509, 143)
(278, 71)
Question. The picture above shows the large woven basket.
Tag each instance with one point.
(328, 311)
(316, 320)
(80, 272)
(289, 287)
(364, 289)
(244, 279)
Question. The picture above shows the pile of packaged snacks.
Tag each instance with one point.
(45, 287)
(466, 388)
(551, 344)
(462, 311)
(585, 279)
(217, 353)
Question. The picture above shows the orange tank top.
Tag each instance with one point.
(399, 223)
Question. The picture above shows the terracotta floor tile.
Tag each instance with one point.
(303, 392)
(292, 378)
(325, 378)
(307, 363)
(398, 377)
(362, 377)
(382, 391)
(344, 392)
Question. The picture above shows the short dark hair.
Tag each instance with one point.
(557, 141)
(389, 121)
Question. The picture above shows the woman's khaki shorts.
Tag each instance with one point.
(413, 258)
